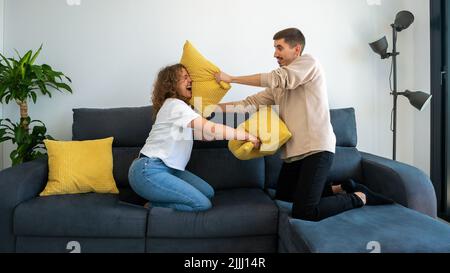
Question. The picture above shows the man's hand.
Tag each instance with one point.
(222, 76)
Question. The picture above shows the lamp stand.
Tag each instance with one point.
(394, 91)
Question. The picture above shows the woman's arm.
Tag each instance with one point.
(208, 131)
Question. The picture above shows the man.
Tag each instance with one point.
(299, 88)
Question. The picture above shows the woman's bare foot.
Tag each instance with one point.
(361, 196)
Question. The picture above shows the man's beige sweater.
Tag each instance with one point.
(300, 91)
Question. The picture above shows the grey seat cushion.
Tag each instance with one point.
(235, 213)
(395, 228)
(82, 215)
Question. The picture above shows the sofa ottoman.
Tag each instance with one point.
(385, 229)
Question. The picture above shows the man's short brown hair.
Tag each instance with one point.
(291, 36)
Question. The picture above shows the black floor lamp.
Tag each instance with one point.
(417, 99)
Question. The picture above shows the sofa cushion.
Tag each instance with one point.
(80, 167)
(344, 126)
(268, 127)
(235, 213)
(129, 126)
(85, 215)
(222, 170)
(392, 228)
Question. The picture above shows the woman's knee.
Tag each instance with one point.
(209, 192)
(202, 205)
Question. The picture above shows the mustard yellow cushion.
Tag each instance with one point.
(268, 127)
(204, 84)
(80, 167)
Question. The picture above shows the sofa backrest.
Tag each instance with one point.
(130, 127)
(347, 161)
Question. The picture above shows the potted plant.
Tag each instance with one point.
(21, 80)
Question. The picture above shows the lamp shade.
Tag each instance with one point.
(403, 20)
(417, 99)
(380, 47)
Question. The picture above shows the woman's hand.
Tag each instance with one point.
(253, 139)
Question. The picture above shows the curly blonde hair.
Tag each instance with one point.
(165, 86)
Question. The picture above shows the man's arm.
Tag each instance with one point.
(288, 77)
(252, 80)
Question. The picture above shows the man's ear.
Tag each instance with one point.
(298, 49)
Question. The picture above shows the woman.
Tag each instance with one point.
(159, 174)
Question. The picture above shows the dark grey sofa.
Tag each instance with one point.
(244, 217)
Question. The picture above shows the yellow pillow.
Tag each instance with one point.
(204, 84)
(264, 125)
(80, 167)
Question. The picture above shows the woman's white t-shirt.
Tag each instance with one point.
(171, 139)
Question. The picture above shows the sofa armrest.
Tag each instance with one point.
(18, 184)
(403, 183)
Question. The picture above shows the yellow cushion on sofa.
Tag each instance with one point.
(80, 167)
(204, 84)
(268, 127)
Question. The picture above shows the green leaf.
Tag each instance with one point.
(44, 90)
(26, 58)
(33, 97)
(8, 98)
(39, 130)
(6, 61)
(3, 92)
(38, 72)
(3, 139)
(35, 55)
(18, 54)
(64, 86)
(19, 135)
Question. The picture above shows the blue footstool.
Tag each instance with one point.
(385, 229)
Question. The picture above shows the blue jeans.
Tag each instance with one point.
(167, 187)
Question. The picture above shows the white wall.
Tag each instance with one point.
(422, 70)
(2, 2)
(112, 50)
